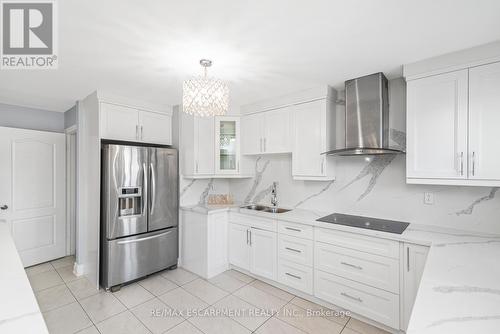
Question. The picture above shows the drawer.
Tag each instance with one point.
(378, 246)
(376, 304)
(295, 249)
(374, 270)
(296, 230)
(295, 276)
(253, 221)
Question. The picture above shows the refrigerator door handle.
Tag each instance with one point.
(143, 239)
(153, 189)
(145, 190)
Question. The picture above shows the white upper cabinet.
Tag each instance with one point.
(227, 145)
(251, 129)
(484, 121)
(197, 145)
(155, 127)
(120, 122)
(313, 134)
(437, 126)
(267, 132)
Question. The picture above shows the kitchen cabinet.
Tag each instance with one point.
(263, 253)
(313, 134)
(414, 262)
(119, 122)
(197, 147)
(204, 242)
(239, 247)
(484, 119)
(437, 126)
(451, 127)
(227, 145)
(267, 132)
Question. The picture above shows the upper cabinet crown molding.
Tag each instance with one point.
(306, 95)
(476, 56)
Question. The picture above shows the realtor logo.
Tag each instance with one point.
(28, 35)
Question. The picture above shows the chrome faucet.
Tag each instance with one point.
(274, 194)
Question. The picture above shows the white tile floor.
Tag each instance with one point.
(182, 303)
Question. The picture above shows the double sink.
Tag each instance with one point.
(263, 208)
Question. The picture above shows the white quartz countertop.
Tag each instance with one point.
(460, 287)
(19, 311)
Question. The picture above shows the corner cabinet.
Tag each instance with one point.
(119, 122)
(414, 262)
(313, 134)
(451, 127)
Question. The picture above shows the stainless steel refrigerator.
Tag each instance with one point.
(139, 212)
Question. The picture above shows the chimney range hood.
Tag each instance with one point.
(366, 117)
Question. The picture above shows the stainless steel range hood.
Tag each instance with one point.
(366, 117)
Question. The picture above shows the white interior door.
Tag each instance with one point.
(32, 192)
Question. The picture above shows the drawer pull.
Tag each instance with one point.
(294, 276)
(293, 250)
(293, 229)
(351, 297)
(351, 265)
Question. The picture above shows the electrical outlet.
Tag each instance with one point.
(428, 198)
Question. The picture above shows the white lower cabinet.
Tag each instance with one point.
(376, 304)
(263, 253)
(414, 262)
(295, 275)
(363, 274)
(239, 248)
(253, 249)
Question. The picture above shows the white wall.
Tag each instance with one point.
(31, 118)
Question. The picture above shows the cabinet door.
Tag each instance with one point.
(484, 119)
(251, 129)
(437, 126)
(119, 122)
(309, 139)
(414, 262)
(155, 128)
(277, 128)
(239, 246)
(204, 141)
(263, 261)
(227, 145)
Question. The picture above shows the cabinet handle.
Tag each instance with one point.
(461, 163)
(264, 144)
(196, 166)
(137, 132)
(293, 250)
(250, 234)
(142, 136)
(293, 229)
(408, 259)
(473, 163)
(351, 265)
(351, 297)
(248, 242)
(294, 276)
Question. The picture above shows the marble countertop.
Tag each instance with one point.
(19, 311)
(460, 287)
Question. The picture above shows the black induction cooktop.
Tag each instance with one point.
(376, 224)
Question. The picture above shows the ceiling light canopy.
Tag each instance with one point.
(205, 96)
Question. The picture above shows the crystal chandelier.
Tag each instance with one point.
(205, 96)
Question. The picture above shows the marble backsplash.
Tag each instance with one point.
(374, 188)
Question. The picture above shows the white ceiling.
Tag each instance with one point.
(144, 49)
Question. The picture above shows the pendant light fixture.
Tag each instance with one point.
(205, 96)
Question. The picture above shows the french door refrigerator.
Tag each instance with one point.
(139, 212)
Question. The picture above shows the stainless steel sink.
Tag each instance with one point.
(264, 208)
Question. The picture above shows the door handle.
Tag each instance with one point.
(153, 189)
(143, 239)
(4, 207)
